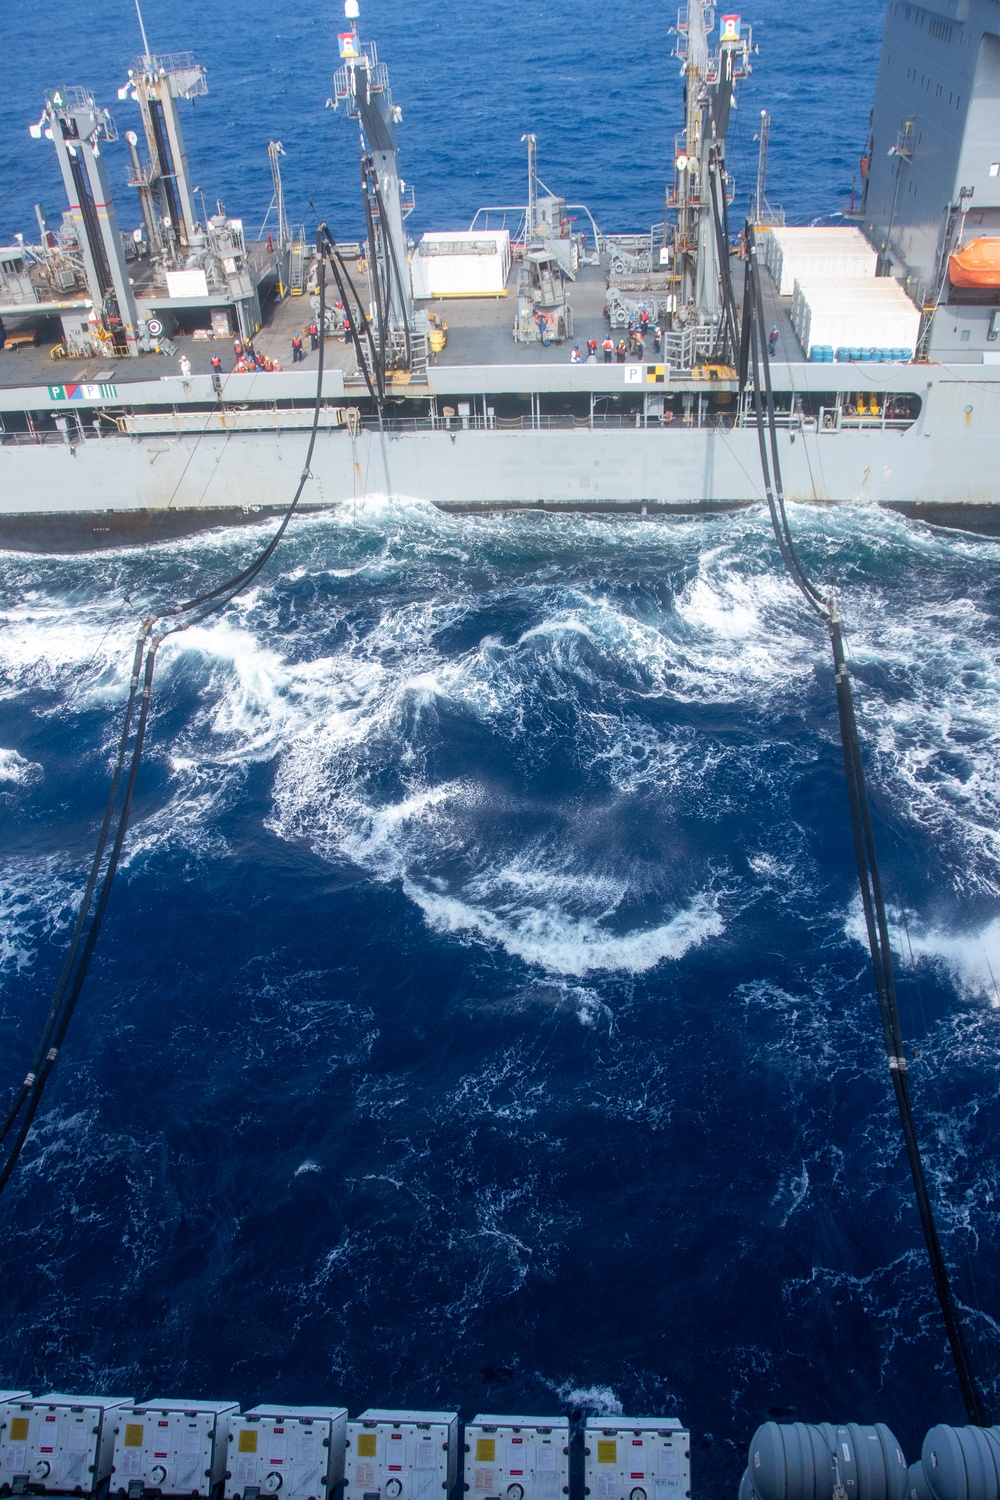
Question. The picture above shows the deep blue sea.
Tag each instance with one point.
(482, 1017)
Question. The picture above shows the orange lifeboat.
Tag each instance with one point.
(976, 264)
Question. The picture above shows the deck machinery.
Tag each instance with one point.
(361, 83)
(123, 293)
(701, 188)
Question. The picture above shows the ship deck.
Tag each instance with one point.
(479, 334)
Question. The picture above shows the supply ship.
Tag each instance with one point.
(470, 369)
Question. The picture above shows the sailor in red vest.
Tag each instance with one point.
(216, 362)
(347, 329)
(609, 349)
(297, 348)
(314, 334)
(592, 347)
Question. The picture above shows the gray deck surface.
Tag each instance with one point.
(479, 333)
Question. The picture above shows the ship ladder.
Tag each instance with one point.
(297, 263)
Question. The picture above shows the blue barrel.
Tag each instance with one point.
(843, 356)
(919, 1489)
(962, 1463)
(806, 1461)
(866, 355)
(906, 354)
(855, 354)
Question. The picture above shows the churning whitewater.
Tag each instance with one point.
(483, 1014)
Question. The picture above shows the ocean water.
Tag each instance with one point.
(482, 1016)
(598, 86)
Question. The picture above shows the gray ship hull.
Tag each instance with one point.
(195, 469)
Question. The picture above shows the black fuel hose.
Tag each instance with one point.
(753, 354)
(76, 965)
(341, 276)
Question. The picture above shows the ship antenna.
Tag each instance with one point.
(142, 28)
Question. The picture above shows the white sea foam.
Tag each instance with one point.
(16, 771)
(594, 1400)
(352, 728)
(971, 960)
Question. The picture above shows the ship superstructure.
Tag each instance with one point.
(933, 167)
(450, 371)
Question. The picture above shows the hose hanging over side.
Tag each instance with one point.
(727, 340)
(342, 277)
(90, 917)
(754, 357)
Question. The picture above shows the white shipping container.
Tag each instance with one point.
(517, 1458)
(401, 1455)
(296, 1453)
(636, 1458)
(799, 254)
(172, 1447)
(461, 264)
(852, 312)
(59, 1443)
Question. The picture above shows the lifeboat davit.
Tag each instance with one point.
(976, 264)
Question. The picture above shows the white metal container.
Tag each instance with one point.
(401, 1455)
(172, 1447)
(636, 1458)
(296, 1453)
(854, 312)
(798, 254)
(58, 1444)
(461, 264)
(517, 1458)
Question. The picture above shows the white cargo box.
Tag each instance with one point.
(172, 1447)
(636, 1458)
(295, 1452)
(517, 1458)
(793, 254)
(461, 264)
(59, 1444)
(854, 312)
(401, 1455)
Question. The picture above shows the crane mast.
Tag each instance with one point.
(710, 72)
(362, 84)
